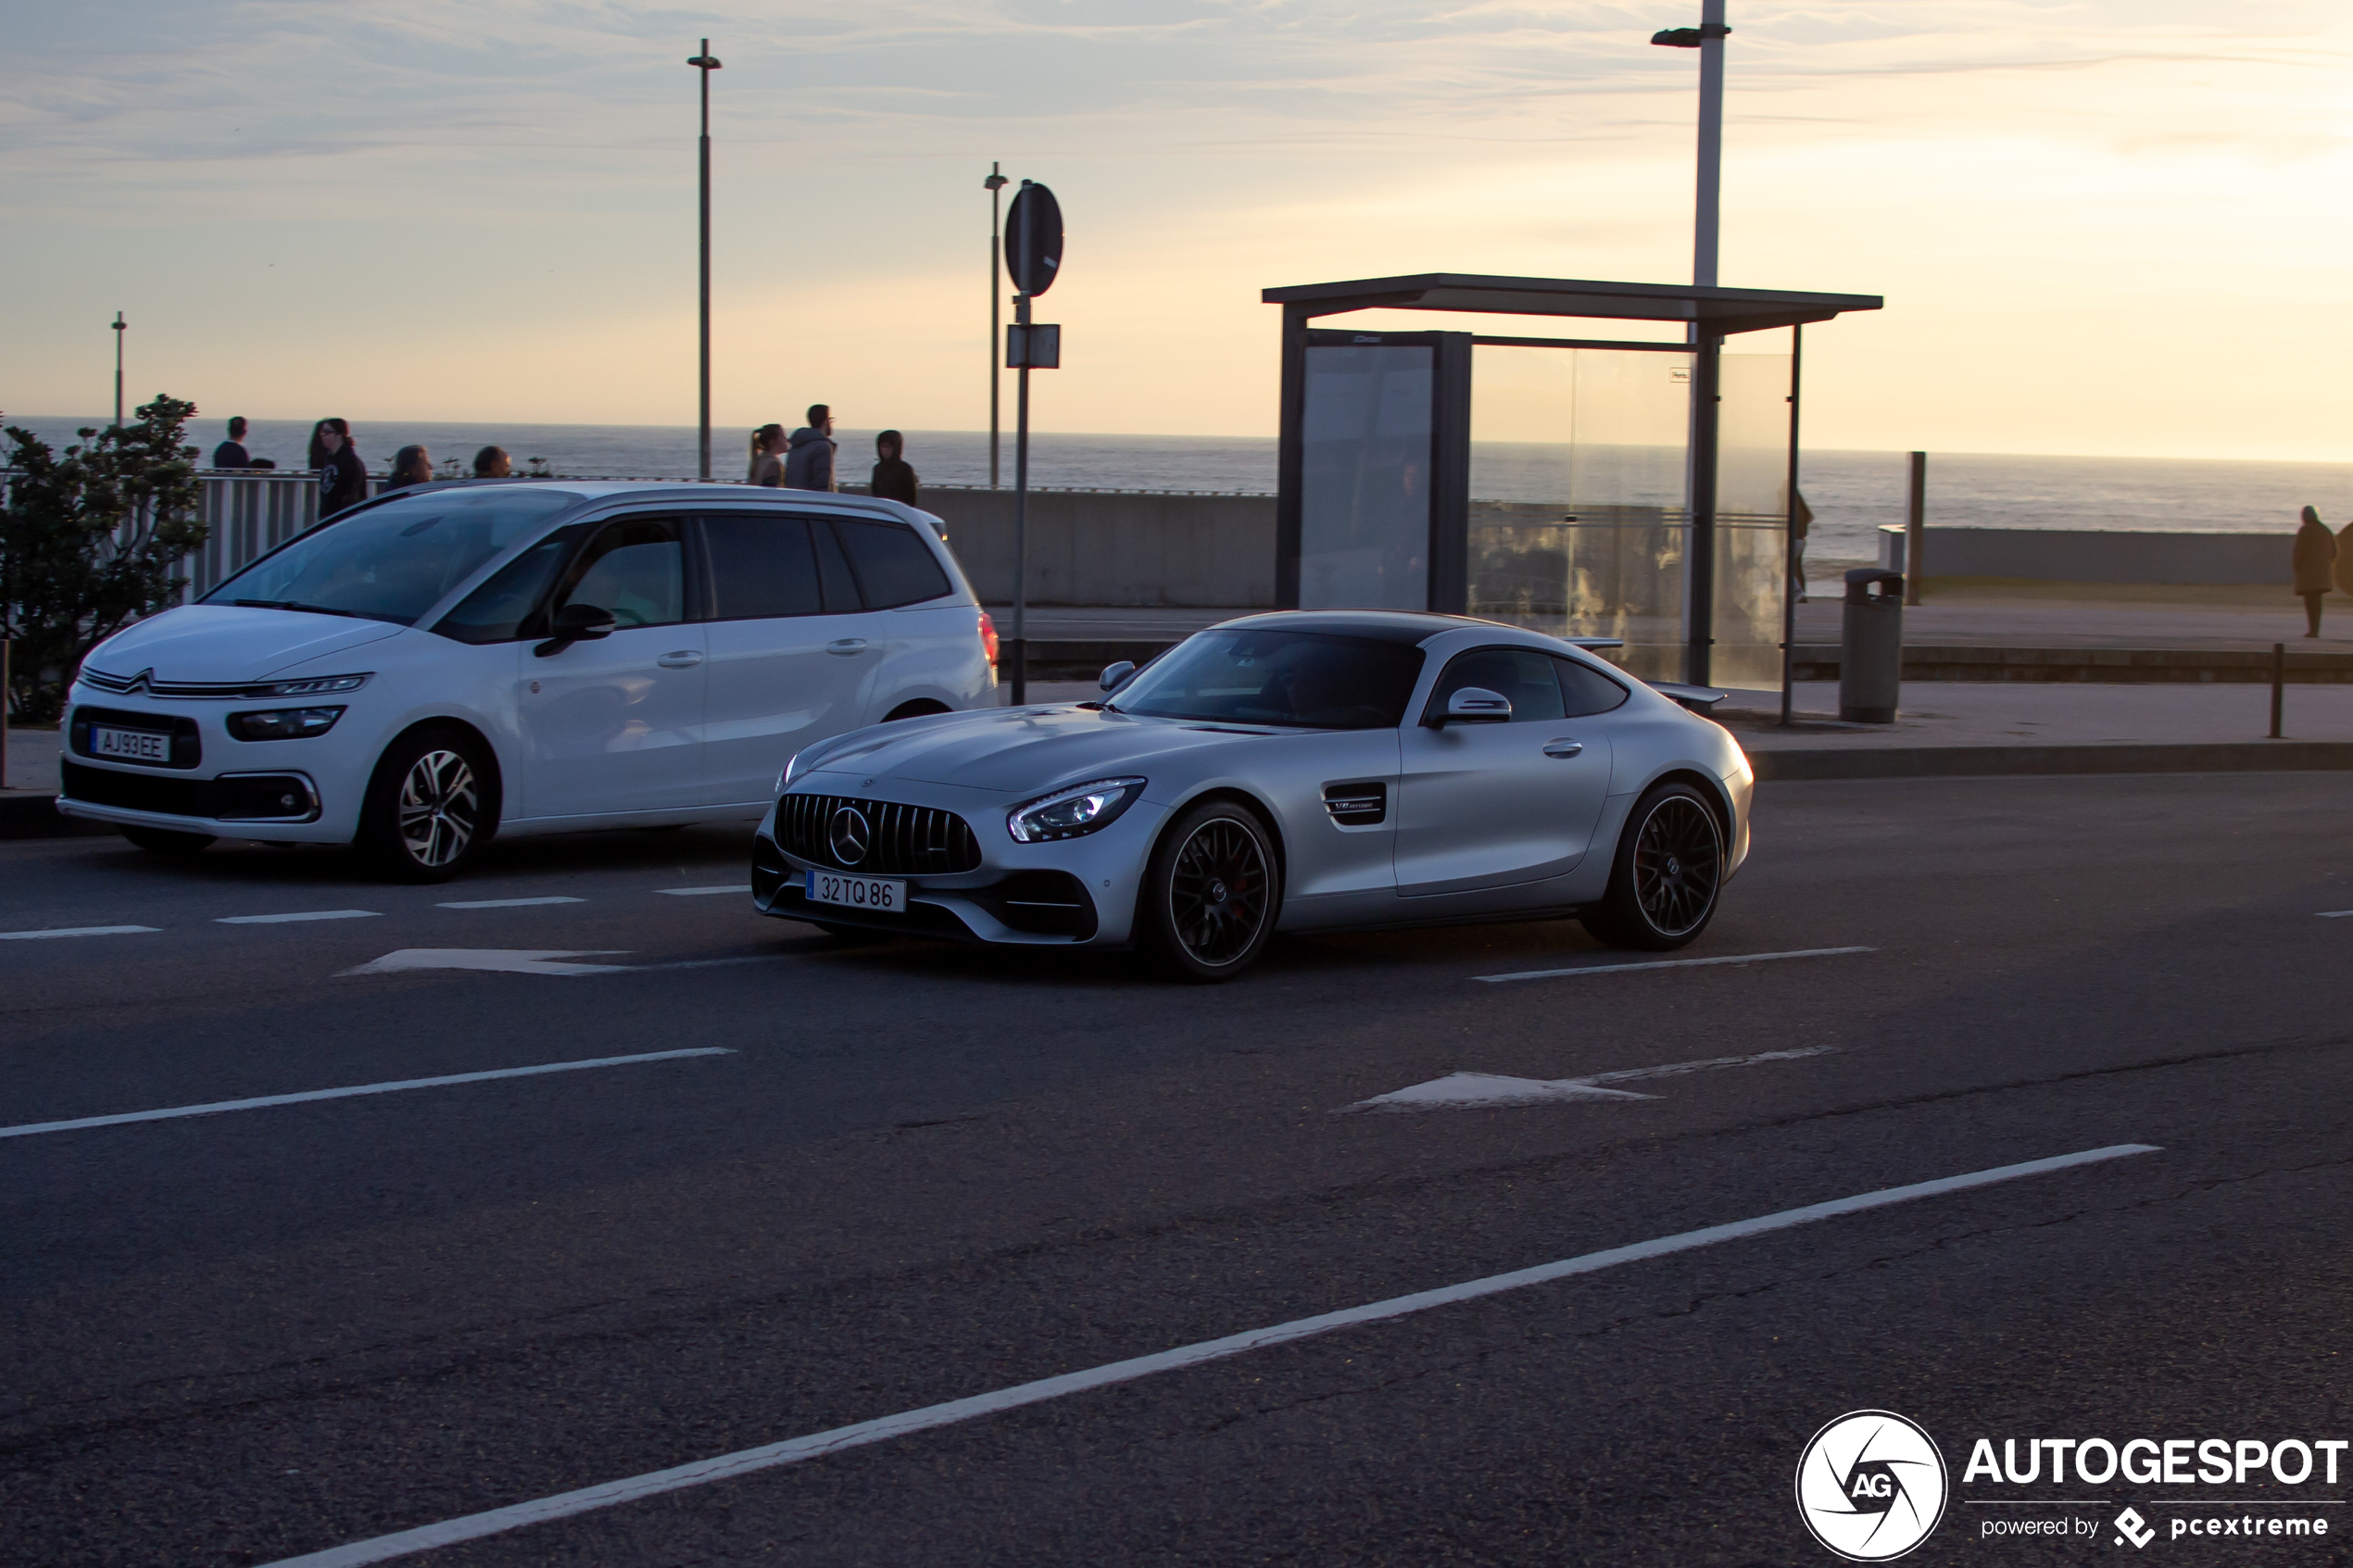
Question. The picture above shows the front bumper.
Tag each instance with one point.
(300, 791)
(1075, 893)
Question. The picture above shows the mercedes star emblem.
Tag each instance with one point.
(849, 834)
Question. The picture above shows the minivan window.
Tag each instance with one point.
(499, 610)
(395, 561)
(636, 569)
(833, 567)
(761, 565)
(894, 567)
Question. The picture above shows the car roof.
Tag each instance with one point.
(688, 490)
(1410, 627)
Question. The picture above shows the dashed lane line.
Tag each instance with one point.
(474, 1526)
(1670, 963)
(216, 1107)
(298, 915)
(74, 930)
(703, 891)
(505, 903)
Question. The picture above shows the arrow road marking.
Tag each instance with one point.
(1669, 964)
(501, 961)
(1458, 1091)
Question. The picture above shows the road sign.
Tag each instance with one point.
(1034, 239)
(1035, 347)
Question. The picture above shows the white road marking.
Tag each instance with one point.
(703, 891)
(74, 930)
(305, 914)
(1671, 963)
(217, 1106)
(1459, 1091)
(505, 903)
(474, 1526)
(499, 961)
(2335, 914)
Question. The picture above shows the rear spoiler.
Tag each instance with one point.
(1699, 699)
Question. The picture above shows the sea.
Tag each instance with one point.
(1852, 494)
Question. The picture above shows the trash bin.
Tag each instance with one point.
(1870, 652)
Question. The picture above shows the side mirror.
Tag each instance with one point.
(1476, 704)
(1115, 675)
(576, 623)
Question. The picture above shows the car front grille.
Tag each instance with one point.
(187, 745)
(900, 840)
(145, 682)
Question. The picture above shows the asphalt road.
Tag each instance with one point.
(920, 1174)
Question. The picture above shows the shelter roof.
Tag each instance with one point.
(1716, 310)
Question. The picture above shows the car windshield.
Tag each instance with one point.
(395, 561)
(1308, 680)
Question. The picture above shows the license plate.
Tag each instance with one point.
(883, 895)
(132, 745)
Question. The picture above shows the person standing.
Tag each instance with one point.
(343, 478)
(767, 456)
(2315, 566)
(893, 479)
(232, 452)
(410, 465)
(1801, 521)
(492, 463)
(809, 459)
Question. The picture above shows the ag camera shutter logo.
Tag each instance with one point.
(1871, 1485)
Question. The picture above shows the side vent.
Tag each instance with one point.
(1357, 804)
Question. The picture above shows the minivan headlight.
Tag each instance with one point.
(1073, 812)
(315, 686)
(283, 723)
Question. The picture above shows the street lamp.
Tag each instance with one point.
(120, 328)
(994, 185)
(704, 64)
(1709, 39)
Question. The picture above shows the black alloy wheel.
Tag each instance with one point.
(168, 841)
(430, 809)
(1668, 871)
(1212, 894)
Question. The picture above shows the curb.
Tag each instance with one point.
(1820, 661)
(1979, 761)
(36, 816)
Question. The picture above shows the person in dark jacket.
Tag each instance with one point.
(232, 452)
(808, 456)
(492, 463)
(893, 480)
(410, 465)
(343, 478)
(2315, 567)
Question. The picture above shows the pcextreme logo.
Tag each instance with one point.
(1871, 1485)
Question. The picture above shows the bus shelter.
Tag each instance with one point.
(1580, 485)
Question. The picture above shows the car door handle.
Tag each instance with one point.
(685, 658)
(1563, 746)
(847, 645)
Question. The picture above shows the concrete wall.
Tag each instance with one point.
(2052, 555)
(1117, 547)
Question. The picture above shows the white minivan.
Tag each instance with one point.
(447, 662)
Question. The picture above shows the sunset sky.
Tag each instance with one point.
(2101, 226)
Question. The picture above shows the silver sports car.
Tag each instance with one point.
(1302, 771)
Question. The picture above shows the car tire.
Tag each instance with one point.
(431, 807)
(1667, 875)
(166, 841)
(1211, 893)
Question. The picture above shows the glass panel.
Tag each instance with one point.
(761, 567)
(635, 570)
(894, 568)
(1577, 511)
(1752, 519)
(1307, 679)
(1364, 535)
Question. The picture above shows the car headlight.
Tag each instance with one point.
(797, 764)
(1073, 812)
(283, 723)
(316, 685)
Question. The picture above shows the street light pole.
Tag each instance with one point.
(118, 330)
(704, 64)
(995, 185)
(1711, 140)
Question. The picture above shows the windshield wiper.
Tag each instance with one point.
(298, 604)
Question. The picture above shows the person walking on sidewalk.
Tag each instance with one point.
(893, 479)
(2315, 564)
(767, 456)
(343, 478)
(1801, 518)
(809, 461)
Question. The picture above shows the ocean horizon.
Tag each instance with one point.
(1853, 493)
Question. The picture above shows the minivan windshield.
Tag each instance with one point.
(1308, 680)
(395, 561)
